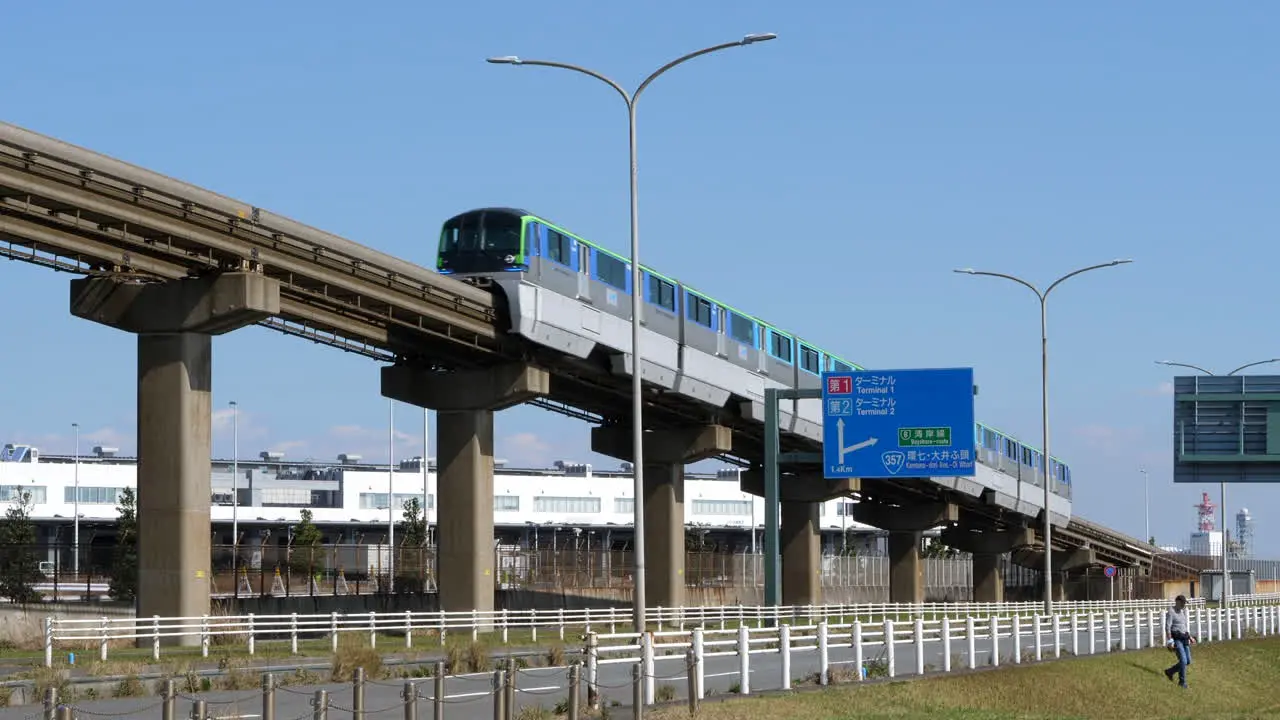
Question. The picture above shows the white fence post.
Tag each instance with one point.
(251, 633)
(204, 638)
(333, 632)
(155, 637)
(1016, 631)
(889, 657)
(824, 654)
(1075, 634)
(784, 648)
(946, 643)
(1106, 629)
(1038, 626)
(970, 630)
(700, 657)
(646, 654)
(1093, 633)
(856, 641)
(744, 660)
(995, 640)
(48, 641)
(593, 666)
(918, 636)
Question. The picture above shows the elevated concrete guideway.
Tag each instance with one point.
(150, 240)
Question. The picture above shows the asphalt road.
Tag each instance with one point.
(469, 697)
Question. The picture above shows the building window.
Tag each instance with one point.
(721, 507)
(624, 506)
(506, 503)
(844, 509)
(39, 493)
(378, 501)
(567, 505)
(93, 495)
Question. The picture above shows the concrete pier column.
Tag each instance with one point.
(465, 402)
(802, 493)
(988, 580)
(801, 548)
(666, 453)
(464, 566)
(664, 533)
(175, 377)
(906, 571)
(986, 544)
(906, 522)
(174, 322)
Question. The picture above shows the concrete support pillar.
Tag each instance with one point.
(664, 534)
(801, 554)
(464, 530)
(175, 377)
(666, 453)
(988, 581)
(465, 402)
(174, 322)
(906, 571)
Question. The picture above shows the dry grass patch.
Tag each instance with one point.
(1231, 680)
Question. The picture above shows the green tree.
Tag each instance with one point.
(411, 556)
(124, 562)
(413, 526)
(935, 549)
(306, 538)
(20, 568)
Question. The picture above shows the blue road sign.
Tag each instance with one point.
(1110, 571)
(898, 423)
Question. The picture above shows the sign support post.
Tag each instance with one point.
(773, 458)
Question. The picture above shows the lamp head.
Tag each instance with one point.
(758, 37)
(504, 60)
(966, 271)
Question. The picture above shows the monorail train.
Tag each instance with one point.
(572, 295)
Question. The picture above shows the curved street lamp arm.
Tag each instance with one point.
(680, 61)
(626, 97)
(1020, 281)
(1171, 363)
(1070, 275)
(1260, 362)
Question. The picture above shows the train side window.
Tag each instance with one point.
(810, 360)
(780, 346)
(838, 366)
(662, 293)
(611, 271)
(558, 247)
(699, 310)
(742, 329)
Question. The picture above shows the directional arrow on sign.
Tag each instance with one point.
(852, 448)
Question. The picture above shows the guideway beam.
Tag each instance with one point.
(174, 322)
(465, 402)
(666, 452)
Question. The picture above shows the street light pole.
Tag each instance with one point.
(1044, 406)
(391, 495)
(1146, 505)
(637, 291)
(1222, 486)
(75, 533)
(235, 488)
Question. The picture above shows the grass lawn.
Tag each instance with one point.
(1239, 679)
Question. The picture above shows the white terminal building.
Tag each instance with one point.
(348, 499)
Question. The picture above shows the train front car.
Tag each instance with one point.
(483, 242)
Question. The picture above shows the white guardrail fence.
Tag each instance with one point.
(534, 626)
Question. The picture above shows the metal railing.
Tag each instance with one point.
(743, 659)
(876, 648)
(251, 630)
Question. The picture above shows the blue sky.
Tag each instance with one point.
(828, 181)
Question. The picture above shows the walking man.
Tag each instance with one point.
(1177, 627)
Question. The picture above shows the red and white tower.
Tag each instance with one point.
(1205, 512)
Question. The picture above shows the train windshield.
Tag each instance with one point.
(481, 241)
